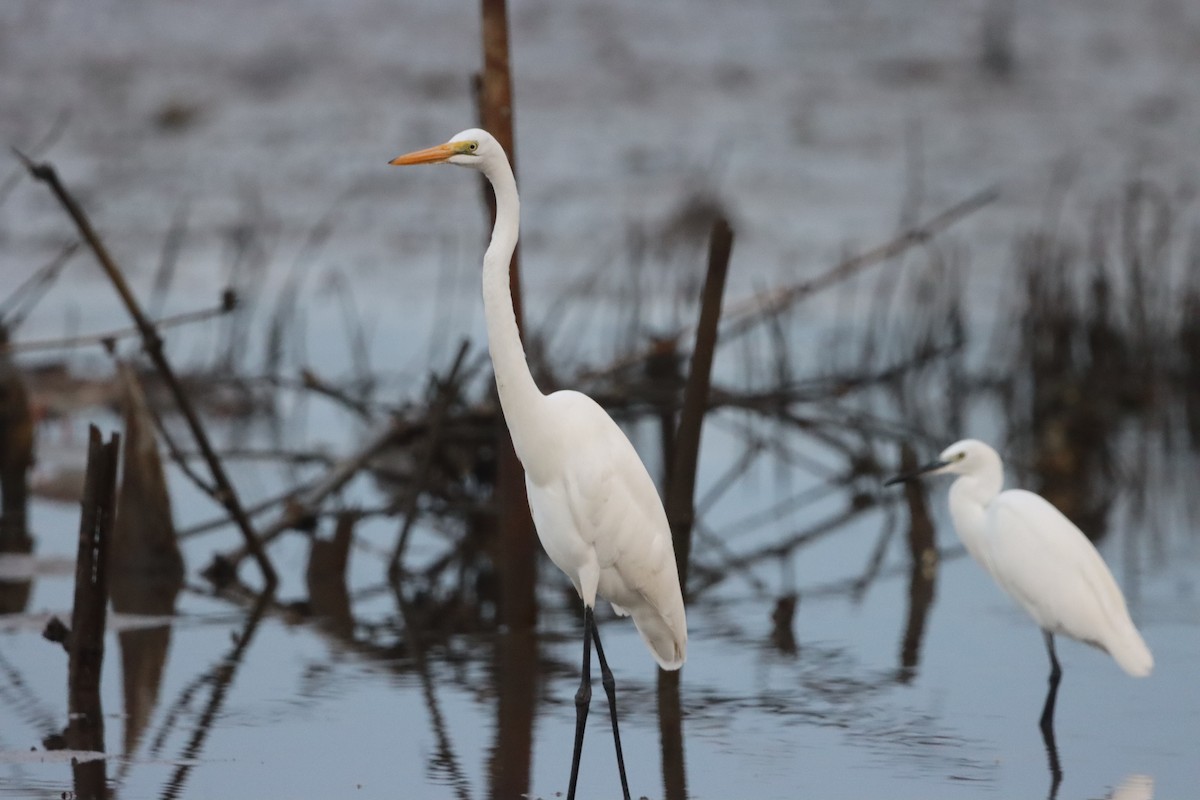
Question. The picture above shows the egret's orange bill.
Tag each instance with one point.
(430, 155)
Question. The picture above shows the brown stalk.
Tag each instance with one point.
(681, 492)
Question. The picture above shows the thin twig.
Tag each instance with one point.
(106, 338)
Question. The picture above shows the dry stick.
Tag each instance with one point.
(85, 726)
(741, 316)
(176, 454)
(253, 510)
(680, 504)
(310, 380)
(437, 413)
(106, 338)
(85, 642)
(16, 456)
(518, 548)
(152, 343)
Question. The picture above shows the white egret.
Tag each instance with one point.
(595, 507)
(1040, 558)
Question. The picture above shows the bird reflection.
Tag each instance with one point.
(1134, 787)
(1056, 773)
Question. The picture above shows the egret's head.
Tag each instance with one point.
(965, 457)
(471, 148)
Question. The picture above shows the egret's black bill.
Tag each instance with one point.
(917, 473)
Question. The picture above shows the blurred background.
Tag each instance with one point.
(950, 219)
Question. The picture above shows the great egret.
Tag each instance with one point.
(1041, 559)
(595, 507)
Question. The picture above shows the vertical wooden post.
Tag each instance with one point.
(518, 547)
(682, 489)
(16, 454)
(85, 728)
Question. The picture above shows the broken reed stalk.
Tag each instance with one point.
(85, 643)
(518, 547)
(16, 455)
(152, 342)
(681, 492)
(447, 389)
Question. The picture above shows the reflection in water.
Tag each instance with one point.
(145, 565)
(670, 726)
(328, 598)
(1056, 773)
(783, 635)
(444, 759)
(922, 570)
(516, 680)
(1134, 787)
(220, 677)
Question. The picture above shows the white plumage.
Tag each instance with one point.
(1055, 573)
(600, 519)
(1042, 560)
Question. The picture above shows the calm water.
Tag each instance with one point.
(266, 122)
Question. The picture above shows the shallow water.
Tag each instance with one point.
(803, 120)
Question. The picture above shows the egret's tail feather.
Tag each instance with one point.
(667, 645)
(1131, 653)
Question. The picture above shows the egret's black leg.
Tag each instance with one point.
(1047, 722)
(582, 699)
(610, 688)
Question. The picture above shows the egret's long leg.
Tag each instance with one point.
(1047, 721)
(583, 698)
(610, 688)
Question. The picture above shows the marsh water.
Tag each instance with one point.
(1054, 323)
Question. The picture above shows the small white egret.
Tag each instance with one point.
(1040, 558)
(595, 507)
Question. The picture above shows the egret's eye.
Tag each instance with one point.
(959, 456)
(472, 147)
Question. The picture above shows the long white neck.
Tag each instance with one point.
(520, 398)
(969, 498)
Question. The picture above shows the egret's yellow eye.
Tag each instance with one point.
(472, 147)
(959, 456)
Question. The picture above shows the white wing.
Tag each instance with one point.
(1056, 574)
(601, 521)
